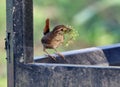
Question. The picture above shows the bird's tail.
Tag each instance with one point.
(46, 28)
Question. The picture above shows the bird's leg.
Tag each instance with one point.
(59, 54)
(49, 54)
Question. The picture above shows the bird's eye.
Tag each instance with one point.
(62, 29)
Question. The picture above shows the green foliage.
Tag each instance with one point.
(70, 37)
(3, 80)
(96, 21)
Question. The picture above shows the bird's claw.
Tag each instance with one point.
(60, 55)
(54, 58)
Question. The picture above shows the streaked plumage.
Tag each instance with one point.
(53, 39)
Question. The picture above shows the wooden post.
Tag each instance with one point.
(19, 36)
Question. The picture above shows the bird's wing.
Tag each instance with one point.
(46, 29)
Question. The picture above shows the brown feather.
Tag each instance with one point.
(46, 29)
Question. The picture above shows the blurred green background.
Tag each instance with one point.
(96, 21)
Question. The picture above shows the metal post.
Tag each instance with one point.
(19, 36)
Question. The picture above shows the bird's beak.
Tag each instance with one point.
(68, 30)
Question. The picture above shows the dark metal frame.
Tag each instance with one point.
(19, 41)
(77, 69)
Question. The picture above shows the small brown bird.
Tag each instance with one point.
(51, 40)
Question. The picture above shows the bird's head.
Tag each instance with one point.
(62, 29)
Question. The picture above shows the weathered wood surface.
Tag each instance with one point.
(85, 71)
(67, 75)
(89, 56)
(105, 55)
